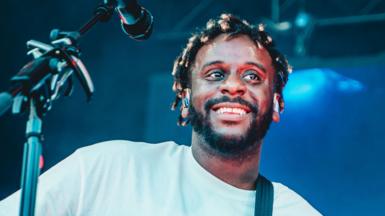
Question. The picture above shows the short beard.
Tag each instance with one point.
(231, 146)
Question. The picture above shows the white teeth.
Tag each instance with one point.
(231, 110)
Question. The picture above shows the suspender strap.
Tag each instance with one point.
(264, 197)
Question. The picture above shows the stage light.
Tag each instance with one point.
(304, 84)
(302, 20)
(307, 85)
(282, 26)
(350, 85)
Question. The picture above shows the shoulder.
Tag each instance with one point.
(122, 158)
(117, 149)
(288, 202)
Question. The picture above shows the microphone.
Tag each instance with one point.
(136, 20)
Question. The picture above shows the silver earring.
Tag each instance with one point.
(276, 105)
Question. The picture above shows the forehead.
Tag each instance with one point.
(232, 50)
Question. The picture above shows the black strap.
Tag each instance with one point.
(264, 197)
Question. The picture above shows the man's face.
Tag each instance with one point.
(232, 92)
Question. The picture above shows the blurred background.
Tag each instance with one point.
(329, 145)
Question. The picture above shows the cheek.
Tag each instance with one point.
(267, 103)
(265, 106)
(263, 97)
(196, 101)
(201, 93)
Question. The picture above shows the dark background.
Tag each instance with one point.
(329, 146)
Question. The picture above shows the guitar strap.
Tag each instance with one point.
(264, 197)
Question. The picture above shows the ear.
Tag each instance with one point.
(277, 107)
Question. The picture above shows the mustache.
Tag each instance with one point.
(210, 103)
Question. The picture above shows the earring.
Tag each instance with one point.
(184, 109)
(276, 108)
(276, 105)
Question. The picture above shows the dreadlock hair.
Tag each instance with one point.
(232, 26)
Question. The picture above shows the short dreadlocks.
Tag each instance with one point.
(232, 26)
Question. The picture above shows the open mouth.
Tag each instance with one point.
(231, 108)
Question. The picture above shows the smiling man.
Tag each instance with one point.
(228, 82)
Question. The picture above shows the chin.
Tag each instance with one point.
(225, 127)
(229, 135)
(230, 131)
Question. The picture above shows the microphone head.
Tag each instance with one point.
(142, 28)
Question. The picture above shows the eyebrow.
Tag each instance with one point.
(212, 63)
(260, 66)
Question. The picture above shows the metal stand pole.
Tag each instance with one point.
(31, 159)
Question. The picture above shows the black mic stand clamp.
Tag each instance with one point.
(53, 67)
(44, 78)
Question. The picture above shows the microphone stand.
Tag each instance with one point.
(31, 158)
(39, 83)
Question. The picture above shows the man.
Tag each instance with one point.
(228, 83)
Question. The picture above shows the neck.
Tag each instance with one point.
(240, 172)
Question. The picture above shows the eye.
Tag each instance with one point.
(215, 74)
(251, 75)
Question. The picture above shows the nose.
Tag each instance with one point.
(233, 86)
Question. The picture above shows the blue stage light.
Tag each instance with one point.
(306, 85)
(302, 20)
(350, 85)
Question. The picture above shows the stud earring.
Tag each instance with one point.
(184, 109)
(276, 108)
(276, 105)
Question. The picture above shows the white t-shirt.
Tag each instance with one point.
(132, 178)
